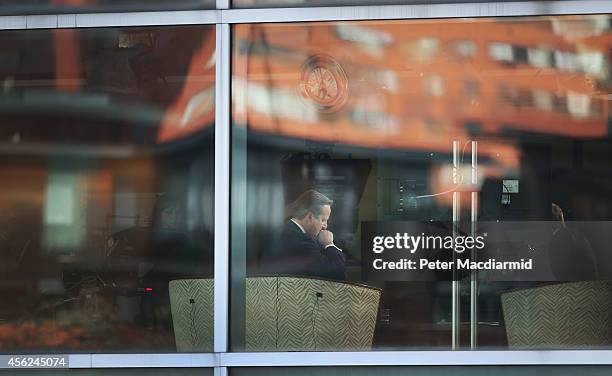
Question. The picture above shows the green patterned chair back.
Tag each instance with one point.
(565, 315)
(282, 314)
(191, 303)
(307, 314)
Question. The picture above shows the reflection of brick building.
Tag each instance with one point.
(417, 85)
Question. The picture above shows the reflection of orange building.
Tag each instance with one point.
(418, 85)
(194, 109)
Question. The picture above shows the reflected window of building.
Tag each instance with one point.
(543, 100)
(539, 57)
(519, 54)
(434, 85)
(465, 49)
(107, 151)
(471, 89)
(501, 52)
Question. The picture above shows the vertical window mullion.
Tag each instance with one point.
(222, 187)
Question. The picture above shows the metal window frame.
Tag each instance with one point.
(222, 188)
(419, 11)
(417, 358)
(223, 17)
(344, 359)
(62, 21)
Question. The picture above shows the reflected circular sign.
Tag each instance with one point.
(323, 83)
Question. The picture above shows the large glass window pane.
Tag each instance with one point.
(107, 160)
(495, 129)
(19, 7)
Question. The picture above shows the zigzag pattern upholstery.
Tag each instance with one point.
(191, 303)
(261, 310)
(282, 314)
(309, 314)
(347, 316)
(566, 315)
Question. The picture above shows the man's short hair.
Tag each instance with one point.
(309, 201)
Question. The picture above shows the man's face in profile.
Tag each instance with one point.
(317, 223)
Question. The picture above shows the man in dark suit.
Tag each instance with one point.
(305, 246)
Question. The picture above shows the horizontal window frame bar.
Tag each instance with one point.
(168, 360)
(312, 14)
(203, 17)
(417, 11)
(418, 358)
(87, 20)
(344, 359)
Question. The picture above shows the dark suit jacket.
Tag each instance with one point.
(294, 252)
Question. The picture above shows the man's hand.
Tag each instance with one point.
(325, 237)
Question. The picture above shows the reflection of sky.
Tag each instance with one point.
(272, 102)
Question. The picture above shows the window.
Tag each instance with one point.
(107, 196)
(313, 123)
(149, 170)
